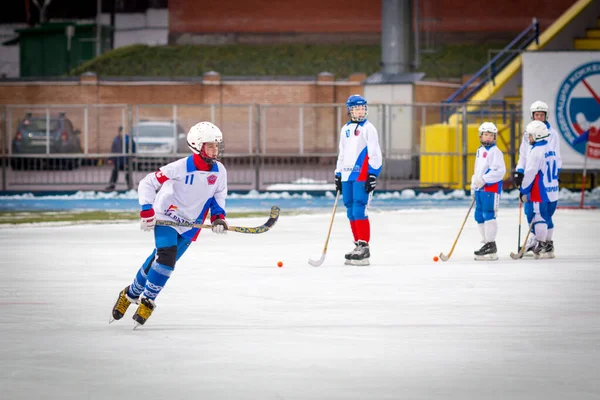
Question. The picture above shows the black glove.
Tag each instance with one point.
(517, 178)
(370, 183)
(523, 198)
(338, 183)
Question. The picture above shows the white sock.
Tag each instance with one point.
(482, 232)
(531, 241)
(549, 234)
(491, 228)
(541, 232)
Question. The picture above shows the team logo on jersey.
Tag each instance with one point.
(578, 107)
(160, 177)
(356, 132)
(484, 154)
(172, 212)
(211, 179)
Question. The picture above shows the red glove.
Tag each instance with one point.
(148, 220)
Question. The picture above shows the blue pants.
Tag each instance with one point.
(545, 211)
(356, 200)
(486, 204)
(153, 275)
(165, 236)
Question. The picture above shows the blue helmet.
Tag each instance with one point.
(353, 105)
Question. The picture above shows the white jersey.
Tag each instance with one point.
(489, 166)
(553, 142)
(180, 192)
(360, 154)
(540, 180)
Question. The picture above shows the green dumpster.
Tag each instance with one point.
(53, 49)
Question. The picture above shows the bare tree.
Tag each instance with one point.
(42, 8)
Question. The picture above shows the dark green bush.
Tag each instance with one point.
(450, 61)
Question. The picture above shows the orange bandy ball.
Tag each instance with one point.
(435, 258)
(280, 264)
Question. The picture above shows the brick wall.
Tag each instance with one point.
(268, 16)
(345, 16)
(235, 106)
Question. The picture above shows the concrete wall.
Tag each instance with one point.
(9, 55)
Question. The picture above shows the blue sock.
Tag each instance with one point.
(139, 282)
(157, 278)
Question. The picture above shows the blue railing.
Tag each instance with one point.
(489, 71)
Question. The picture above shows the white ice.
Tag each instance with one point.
(230, 324)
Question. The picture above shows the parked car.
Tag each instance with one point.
(157, 143)
(37, 135)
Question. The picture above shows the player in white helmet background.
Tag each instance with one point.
(538, 111)
(540, 187)
(357, 170)
(486, 187)
(185, 190)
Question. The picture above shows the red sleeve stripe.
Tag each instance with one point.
(160, 177)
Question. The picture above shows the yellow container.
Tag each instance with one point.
(442, 153)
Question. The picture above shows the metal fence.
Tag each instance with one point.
(68, 147)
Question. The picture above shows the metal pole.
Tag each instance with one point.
(263, 125)
(465, 147)
(513, 136)
(585, 157)
(47, 131)
(338, 127)
(130, 157)
(4, 133)
(175, 140)
(386, 133)
(9, 126)
(301, 130)
(113, 8)
(85, 129)
(257, 151)
(98, 27)
(417, 35)
(250, 122)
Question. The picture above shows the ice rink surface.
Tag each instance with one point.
(231, 325)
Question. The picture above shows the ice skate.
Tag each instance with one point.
(488, 252)
(143, 311)
(348, 256)
(360, 256)
(549, 249)
(122, 304)
(540, 250)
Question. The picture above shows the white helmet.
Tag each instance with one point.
(488, 127)
(538, 130)
(205, 132)
(538, 106)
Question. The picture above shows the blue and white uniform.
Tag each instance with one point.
(540, 184)
(553, 142)
(359, 152)
(359, 156)
(179, 191)
(184, 190)
(489, 169)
